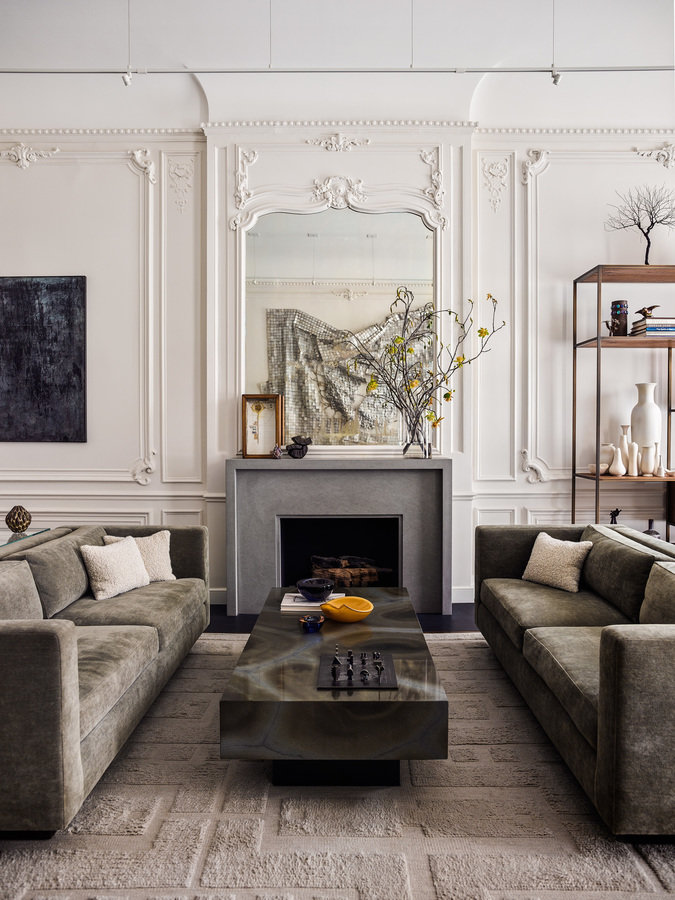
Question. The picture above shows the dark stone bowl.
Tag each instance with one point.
(315, 589)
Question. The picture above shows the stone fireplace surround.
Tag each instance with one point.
(261, 492)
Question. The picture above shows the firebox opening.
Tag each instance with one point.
(354, 551)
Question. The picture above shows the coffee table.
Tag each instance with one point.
(272, 709)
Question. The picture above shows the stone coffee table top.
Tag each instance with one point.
(272, 709)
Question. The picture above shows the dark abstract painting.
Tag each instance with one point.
(43, 358)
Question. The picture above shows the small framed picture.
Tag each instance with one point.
(262, 417)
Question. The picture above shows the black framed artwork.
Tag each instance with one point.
(43, 358)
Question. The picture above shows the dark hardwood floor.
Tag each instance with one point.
(460, 620)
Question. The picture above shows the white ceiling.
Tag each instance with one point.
(341, 34)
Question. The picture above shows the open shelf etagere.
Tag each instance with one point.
(610, 274)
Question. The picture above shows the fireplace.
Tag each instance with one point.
(353, 551)
(398, 511)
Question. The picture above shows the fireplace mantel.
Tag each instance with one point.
(260, 492)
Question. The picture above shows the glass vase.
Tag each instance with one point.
(416, 438)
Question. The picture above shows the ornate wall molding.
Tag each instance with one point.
(495, 174)
(23, 156)
(338, 143)
(142, 160)
(535, 472)
(181, 173)
(535, 165)
(610, 132)
(161, 132)
(143, 468)
(435, 193)
(348, 123)
(664, 155)
(350, 294)
(339, 191)
(245, 158)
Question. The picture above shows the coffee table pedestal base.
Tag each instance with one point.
(341, 772)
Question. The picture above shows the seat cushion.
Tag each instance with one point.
(568, 661)
(166, 605)
(109, 659)
(617, 568)
(19, 598)
(518, 605)
(58, 568)
(659, 603)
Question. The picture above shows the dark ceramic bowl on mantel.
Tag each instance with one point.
(315, 589)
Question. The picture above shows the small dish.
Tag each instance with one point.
(347, 609)
(315, 589)
(603, 468)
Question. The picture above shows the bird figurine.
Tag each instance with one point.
(646, 311)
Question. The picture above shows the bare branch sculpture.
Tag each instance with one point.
(643, 208)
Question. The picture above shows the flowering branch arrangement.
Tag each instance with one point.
(415, 368)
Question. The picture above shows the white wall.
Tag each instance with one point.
(152, 233)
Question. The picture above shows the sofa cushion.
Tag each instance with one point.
(19, 598)
(109, 659)
(168, 606)
(154, 550)
(58, 568)
(658, 607)
(114, 569)
(556, 563)
(518, 605)
(617, 568)
(568, 661)
(15, 544)
(647, 540)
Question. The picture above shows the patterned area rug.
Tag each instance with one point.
(501, 819)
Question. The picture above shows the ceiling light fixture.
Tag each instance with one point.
(555, 74)
(127, 76)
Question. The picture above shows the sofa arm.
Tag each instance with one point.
(41, 780)
(189, 546)
(502, 551)
(635, 775)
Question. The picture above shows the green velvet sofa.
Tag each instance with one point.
(77, 674)
(597, 666)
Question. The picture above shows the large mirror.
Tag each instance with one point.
(310, 277)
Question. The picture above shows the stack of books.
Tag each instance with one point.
(296, 603)
(656, 326)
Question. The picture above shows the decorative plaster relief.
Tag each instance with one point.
(242, 194)
(535, 165)
(350, 294)
(664, 155)
(495, 174)
(181, 173)
(23, 155)
(142, 160)
(535, 472)
(339, 191)
(142, 469)
(338, 142)
(436, 192)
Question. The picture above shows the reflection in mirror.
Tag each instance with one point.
(309, 278)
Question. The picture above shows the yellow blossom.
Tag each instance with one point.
(483, 332)
(460, 361)
(372, 384)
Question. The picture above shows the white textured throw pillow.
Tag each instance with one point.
(556, 563)
(154, 550)
(114, 569)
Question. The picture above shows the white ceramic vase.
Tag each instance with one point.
(616, 467)
(633, 459)
(648, 460)
(623, 444)
(645, 417)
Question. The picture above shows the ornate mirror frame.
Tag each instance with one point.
(300, 168)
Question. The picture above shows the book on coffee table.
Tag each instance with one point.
(295, 602)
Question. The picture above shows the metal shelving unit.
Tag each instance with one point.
(600, 275)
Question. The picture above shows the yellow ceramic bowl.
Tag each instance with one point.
(347, 609)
